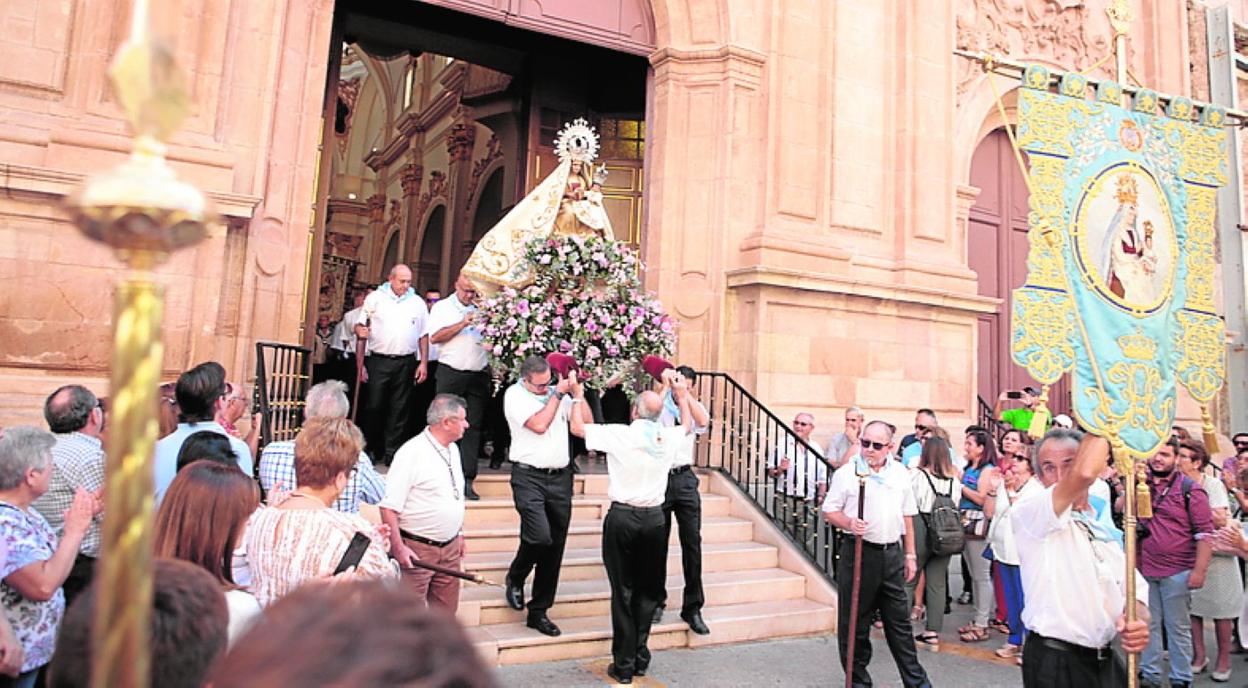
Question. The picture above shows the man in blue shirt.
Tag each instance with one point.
(200, 392)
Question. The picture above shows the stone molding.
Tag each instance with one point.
(743, 65)
(60, 183)
(761, 276)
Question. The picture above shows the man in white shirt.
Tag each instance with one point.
(398, 351)
(801, 479)
(844, 445)
(462, 366)
(683, 502)
(1073, 572)
(342, 344)
(888, 555)
(538, 409)
(424, 503)
(639, 457)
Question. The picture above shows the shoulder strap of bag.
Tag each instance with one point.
(933, 486)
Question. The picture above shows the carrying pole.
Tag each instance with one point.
(855, 583)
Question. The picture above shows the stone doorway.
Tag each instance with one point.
(438, 121)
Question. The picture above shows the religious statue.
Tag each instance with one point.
(568, 202)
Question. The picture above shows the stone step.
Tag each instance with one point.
(492, 537)
(500, 510)
(590, 636)
(586, 563)
(484, 605)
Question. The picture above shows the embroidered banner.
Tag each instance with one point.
(1119, 290)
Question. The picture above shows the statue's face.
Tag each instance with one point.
(577, 165)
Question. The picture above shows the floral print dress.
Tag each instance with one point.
(29, 539)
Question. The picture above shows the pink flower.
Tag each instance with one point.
(557, 323)
(565, 346)
(591, 326)
(522, 307)
(629, 329)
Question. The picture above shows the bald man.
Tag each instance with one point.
(398, 350)
(463, 367)
(639, 458)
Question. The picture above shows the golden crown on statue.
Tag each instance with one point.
(1137, 346)
(577, 141)
(1128, 191)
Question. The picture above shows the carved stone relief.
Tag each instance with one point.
(1071, 33)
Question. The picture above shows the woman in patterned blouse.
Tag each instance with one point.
(36, 565)
(303, 538)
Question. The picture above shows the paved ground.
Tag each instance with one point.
(808, 661)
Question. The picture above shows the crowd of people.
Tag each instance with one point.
(1026, 522)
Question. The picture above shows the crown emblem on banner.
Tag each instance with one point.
(1137, 346)
(1128, 191)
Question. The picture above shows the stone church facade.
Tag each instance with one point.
(808, 201)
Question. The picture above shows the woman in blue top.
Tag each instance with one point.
(979, 490)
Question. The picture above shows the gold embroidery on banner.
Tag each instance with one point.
(1204, 156)
(1138, 346)
(1138, 385)
(1201, 212)
(1044, 328)
(1202, 365)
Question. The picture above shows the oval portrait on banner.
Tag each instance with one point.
(1126, 243)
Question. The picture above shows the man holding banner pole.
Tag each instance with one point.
(877, 572)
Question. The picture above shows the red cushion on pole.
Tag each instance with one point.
(655, 366)
(562, 364)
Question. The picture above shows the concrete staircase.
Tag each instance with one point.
(757, 586)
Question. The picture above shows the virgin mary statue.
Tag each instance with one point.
(567, 203)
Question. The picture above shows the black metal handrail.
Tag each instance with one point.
(283, 374)
(744, 441)
(987, 419)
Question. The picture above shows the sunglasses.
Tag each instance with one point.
(868, 444)
(920, 428)
(800, 423)
(1241, 443)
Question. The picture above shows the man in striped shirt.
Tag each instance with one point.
(277, 462)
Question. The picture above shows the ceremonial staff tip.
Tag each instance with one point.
(144, 213)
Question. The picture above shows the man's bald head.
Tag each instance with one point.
(648, 406)
(400, 279)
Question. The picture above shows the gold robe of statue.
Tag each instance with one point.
(566, 203)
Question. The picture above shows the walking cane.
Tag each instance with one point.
(854, 585)
(462, 575)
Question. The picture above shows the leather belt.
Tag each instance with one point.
(1091, 654)
(877, 546)
(391, 356)
(630, 507)
(680, 469)
(426, 541)
(535, 469)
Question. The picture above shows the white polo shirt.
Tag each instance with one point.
(464, 350)
(639, 457)
(668, 418)
(806, 471)
(889, 499)
(1074, 584)
(547, 450)
(425, 486)
(344, 337)
(396, 322)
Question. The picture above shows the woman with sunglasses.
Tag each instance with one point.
(979, 490)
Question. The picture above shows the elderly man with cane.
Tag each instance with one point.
(871, 499)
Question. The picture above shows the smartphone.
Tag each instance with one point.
(1013, 395)
(355, 552)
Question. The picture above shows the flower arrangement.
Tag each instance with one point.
(586, 301)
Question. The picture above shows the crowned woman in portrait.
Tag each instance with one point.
(1125, 261)
(567, 203)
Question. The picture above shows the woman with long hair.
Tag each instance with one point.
(934, 474)
(979, 491)
(201, 520)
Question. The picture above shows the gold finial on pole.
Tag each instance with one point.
(143, 212)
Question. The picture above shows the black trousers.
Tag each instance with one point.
(882, 587)
(1045, 665)
(474, 387)
(422, 396)
(684, 502)
(544, 501)
(390, 382)
(633, 547)
(79, 577)
(344, 369)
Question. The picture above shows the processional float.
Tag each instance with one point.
(1120, 269)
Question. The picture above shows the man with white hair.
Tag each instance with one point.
(639, 457)
(1073, 572)
(801, 478)
(277, 462)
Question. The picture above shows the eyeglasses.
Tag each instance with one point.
(540, 385)
(800, 423)
(868, 444)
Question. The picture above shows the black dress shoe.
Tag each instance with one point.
(658, 616)
(696, 624)
(640, 669)
(514, 594)
(544, 625)
(617, 676)
(469, 493)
